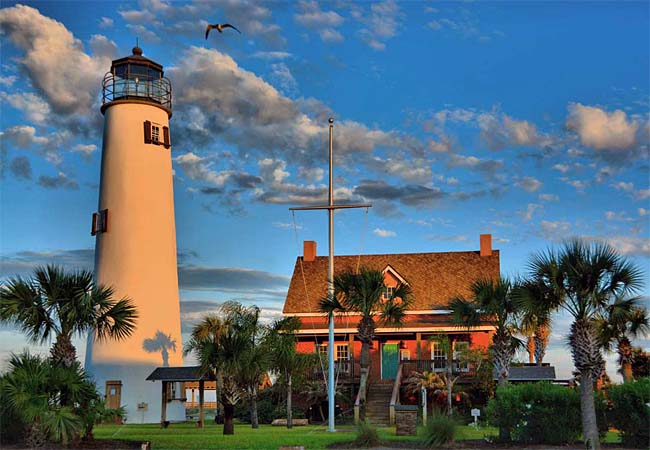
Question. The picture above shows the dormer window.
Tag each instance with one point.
(388, 292)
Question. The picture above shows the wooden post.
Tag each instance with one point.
(351, 353)
(418, 339)
(163, 408)
(201, 398)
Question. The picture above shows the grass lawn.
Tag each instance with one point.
(183, 436)
(188, 436)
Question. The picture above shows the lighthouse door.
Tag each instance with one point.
(113, 394)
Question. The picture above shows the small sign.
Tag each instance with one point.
(476, 413)
(142, 406)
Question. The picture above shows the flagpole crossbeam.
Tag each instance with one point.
(317, 207)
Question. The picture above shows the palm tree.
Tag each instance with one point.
(285, 359)
(32, 389)
(162, 343)
(64, 304)
(492, 303)
(205, 338)
(536, 302)
(587, 278)
(232, 346)
(363, 293)
(622, 321)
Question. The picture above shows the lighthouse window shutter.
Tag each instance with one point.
(167, 142)
(93, 229)
(147, 132)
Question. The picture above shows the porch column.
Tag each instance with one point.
(418, 339)
(201, 401)
(351, 353)
(163, 407)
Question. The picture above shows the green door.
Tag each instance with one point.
(389, 361)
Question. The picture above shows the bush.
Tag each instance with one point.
(440, 430)
(366, 435)
(629, 413)
(540, 413)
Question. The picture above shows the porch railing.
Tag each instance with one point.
(432, 365)
(344, 369)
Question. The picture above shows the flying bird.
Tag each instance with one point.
(219, 27)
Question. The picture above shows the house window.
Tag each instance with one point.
(405, 355)
(388, 292)
(155, 134)
(152, 134)
(460, 349)
(439, 360)
(322, 350)
(343, 357)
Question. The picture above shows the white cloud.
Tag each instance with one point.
(31, 105)
(383, 23)
(282, 77)
(643, 212)
(197, 168)
(8, 80)
(529, 184)
(105, 22)
(554, 230)
(324, 22)
(384, 233)
(623, 186)
(68, 87)
(272, 55)
(564, 168)
(612, 134)
(630, 245)
(527, 215)
(549, 197)
(85, 149)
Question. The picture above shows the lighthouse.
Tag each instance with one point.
(135, 240)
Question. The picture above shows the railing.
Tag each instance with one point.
(207, 405)
(394, 398)
(158, 90)
(343, 369)
(432, 365)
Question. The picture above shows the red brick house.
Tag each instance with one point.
(434, 278)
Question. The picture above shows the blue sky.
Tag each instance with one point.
(525, 120)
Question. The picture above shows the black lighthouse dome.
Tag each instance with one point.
(136, 78)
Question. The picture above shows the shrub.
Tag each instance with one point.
(540, 413)
(366, 435)
(440, 430)
(629, 412)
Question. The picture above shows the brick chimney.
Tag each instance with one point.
(486, 245)
(309, 251)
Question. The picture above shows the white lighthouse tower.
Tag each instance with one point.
(135, 250)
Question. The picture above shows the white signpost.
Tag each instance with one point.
(476, 413)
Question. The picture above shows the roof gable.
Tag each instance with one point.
(434, 278)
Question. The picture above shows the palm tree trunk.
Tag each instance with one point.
(253, 399)
(366, 330)
(588, 410)
(63, 352)
(587, 359)
(289, 410)
(625, 358)
(541, 341)
(228, 414)
(448, 375)
(530, 348)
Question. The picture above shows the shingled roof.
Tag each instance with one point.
(434, 278)
(185, 373)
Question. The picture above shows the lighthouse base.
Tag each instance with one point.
(126, 386)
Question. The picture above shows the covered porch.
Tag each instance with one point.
(180, 376)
